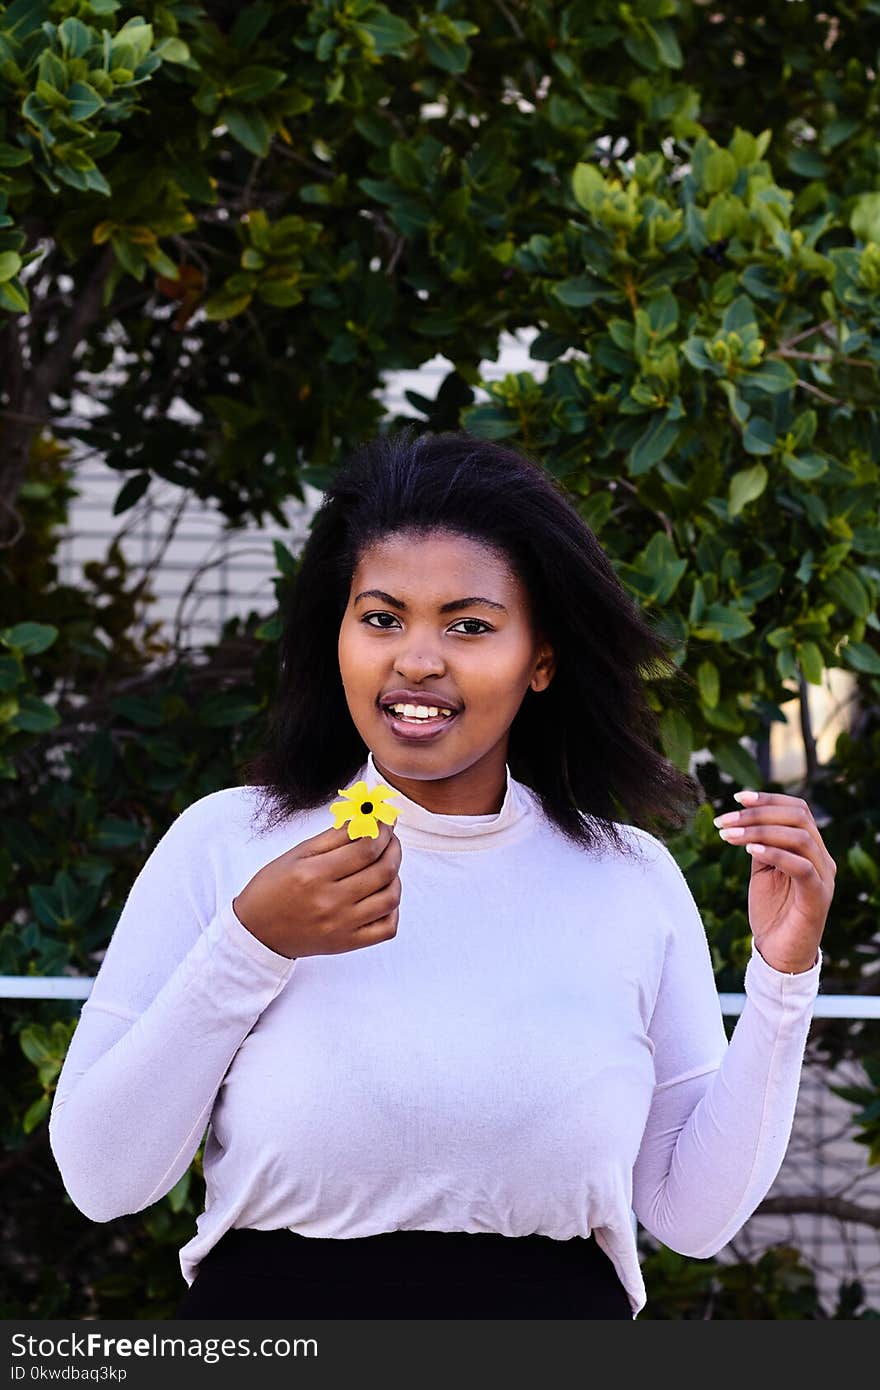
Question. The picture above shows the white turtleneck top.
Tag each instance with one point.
(539, 1048)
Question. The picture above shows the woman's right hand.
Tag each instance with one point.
(326, 895)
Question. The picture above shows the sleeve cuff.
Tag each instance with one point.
(251, 945)
(764, 980)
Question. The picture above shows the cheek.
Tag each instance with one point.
(359, 666)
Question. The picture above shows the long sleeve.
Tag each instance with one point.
(181, 985)
(718, 1126)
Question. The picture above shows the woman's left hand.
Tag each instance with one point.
(792, 880)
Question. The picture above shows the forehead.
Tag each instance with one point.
(433, 561)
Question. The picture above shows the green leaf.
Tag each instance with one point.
(737, 763)
(14, 297)
(76, 38)
(373, 128)
(179, 1192)
(653, 445)
(173, 50)
(254, 83)
(861, 657)
(805, 467)
(249, 24)
(804, 427)
(34, 715)
(115, 833)
(130, 257)
(694, 349)
(139, 711)
(739, 408)
(760, 583)
(97, 183)
(839, 130)
(84, 101)
(389, 33)
(739, 314)
(249, 128)
(771, 377)
(761, 282)
(53, 71)
(588, 185)
(719, 171)
(326, 44)
(866, 540)
(406, 165)
(808, 163)
(270, 631)
(446, 54)
(708, 683)
(759, 436)
(677, 737)
(36, 1113)
(223, 709)
(486, 421)
(812, 663)
(29, 638)
(582, 290)
(662, 313)
(10, 264)
(865, 217)
(663, 34)
(11, 157)
(848, 592)
(34, 1043)
(745, 486)
(130, 493)
(864, 867)
(721, 623)
(133, 42)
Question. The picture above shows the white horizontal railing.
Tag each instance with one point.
(80, 986)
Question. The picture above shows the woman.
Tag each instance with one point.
(445, 1067)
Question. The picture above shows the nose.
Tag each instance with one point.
(413, 673)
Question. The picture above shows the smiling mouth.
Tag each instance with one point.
(415, 728)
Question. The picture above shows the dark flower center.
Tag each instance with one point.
(366, 808)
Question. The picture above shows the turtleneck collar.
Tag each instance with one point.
(419, 828)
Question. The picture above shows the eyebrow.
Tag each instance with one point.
(451, 607)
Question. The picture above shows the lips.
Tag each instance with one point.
(426, 729)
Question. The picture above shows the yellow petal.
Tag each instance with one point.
(360, 827)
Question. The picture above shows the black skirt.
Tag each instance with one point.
(404, 1274)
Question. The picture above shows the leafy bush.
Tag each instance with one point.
(225, 225)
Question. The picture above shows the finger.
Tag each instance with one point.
(345, 856)
(789, 839)
(796, 866)
(779, 809)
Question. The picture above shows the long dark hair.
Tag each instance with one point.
(588, 745)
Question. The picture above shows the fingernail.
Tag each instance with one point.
(745, 797)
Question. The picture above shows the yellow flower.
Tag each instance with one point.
(364, 809)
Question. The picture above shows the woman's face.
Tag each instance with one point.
(480, 658)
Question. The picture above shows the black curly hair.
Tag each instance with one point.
(588, 745)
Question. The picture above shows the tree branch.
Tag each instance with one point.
(48, 375)
(806, 333)
(822, 357)
(29, 395)
(814, 390)
(818, 1205)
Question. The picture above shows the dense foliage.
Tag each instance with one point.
(222, 226)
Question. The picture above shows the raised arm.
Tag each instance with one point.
(721, 1114)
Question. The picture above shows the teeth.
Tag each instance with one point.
(420, 711)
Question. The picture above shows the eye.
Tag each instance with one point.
(383, 628)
